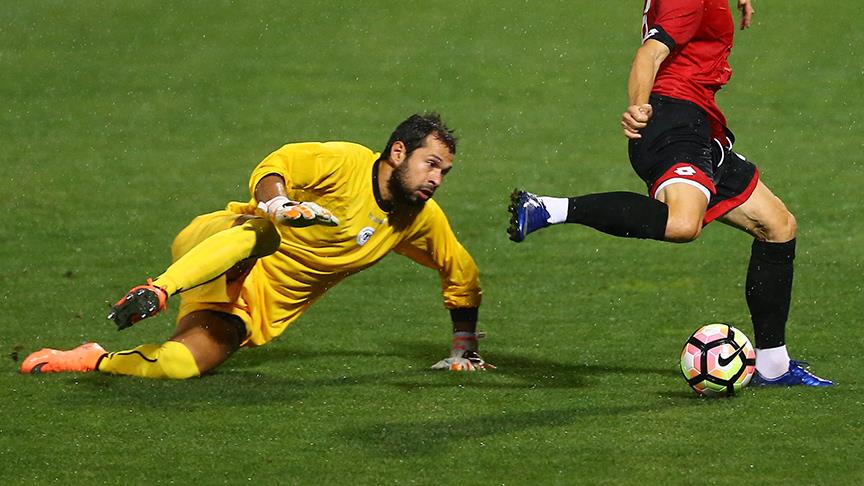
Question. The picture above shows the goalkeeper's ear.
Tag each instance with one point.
(398, 154)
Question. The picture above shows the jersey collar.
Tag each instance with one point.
(384, 205)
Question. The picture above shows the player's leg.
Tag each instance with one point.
(203, 338)
(764, 216)
(212, 245)
(768, 285)
(202, 341)
(204, 250)
(675, 215)
(687, 205)
(673, 157)
(248, 238)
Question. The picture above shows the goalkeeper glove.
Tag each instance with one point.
(463, 354)
(296, 214)
(469, 361)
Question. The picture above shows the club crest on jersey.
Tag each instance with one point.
(364, 235)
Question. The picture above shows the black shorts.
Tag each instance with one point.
(677, 147)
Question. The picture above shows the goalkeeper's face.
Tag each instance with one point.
(415, 180)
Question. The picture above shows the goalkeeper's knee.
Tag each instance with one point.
(267, 237)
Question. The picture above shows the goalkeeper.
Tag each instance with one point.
(319, 212)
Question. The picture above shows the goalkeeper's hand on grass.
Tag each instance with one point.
(286, 212)
(463, 354)
(469, 361)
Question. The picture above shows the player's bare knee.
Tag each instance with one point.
(682, 231)
(781, 229)
(267, 237)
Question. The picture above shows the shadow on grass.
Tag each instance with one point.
(524, 371)
(285, 375)
(429, 437)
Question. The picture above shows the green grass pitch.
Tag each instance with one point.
(120, 121)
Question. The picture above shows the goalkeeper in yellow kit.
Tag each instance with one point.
(319, 212)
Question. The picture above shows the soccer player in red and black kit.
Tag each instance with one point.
(680, 146)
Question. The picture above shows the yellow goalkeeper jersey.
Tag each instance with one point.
(342, 177)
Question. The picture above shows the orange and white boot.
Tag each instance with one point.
(83, 358)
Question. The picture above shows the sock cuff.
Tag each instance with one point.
(557, 207)
(166, 283)
(778, 253)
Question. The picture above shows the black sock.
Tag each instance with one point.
(769, 291)
(624, 214)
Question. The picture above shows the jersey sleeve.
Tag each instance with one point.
(675, 22)
(309, 166)
(434, 245)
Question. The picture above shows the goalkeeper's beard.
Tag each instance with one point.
(402, 194)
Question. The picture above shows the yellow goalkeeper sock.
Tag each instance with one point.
(167, 360)
(219, 252)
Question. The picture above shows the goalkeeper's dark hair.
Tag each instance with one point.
(414, 130)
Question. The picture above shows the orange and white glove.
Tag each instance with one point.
(463, 354)
(296, 214)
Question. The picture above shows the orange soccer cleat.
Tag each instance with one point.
(47, 360)
(139, 303)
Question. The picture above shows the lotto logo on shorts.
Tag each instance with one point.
(685, 171)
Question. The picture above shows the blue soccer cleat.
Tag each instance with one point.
(796, 376)
(527, 214)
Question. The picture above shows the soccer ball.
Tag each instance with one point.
(718, 360)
